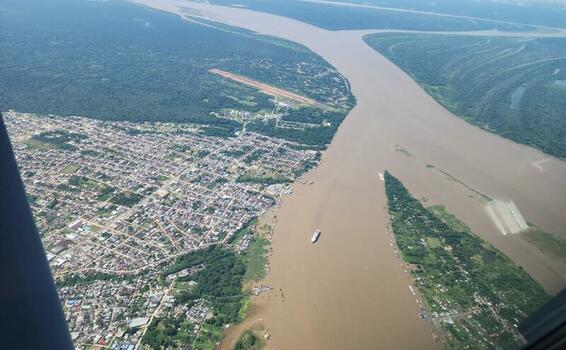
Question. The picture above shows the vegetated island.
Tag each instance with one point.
(473, 294)
(514, 87)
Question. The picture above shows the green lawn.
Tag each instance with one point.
(256, 258)
(71, 168)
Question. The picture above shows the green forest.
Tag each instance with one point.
(119, 61)
(458, 274)
(515, 87)
(219, 282)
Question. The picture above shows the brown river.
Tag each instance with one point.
(350, 291)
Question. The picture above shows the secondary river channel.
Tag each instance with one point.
(350, 291)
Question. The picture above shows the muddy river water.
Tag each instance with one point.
(350, 291)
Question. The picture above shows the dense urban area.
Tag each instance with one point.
(150, 224)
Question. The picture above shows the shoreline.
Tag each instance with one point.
(349, 292)
(232, 334)
(254, 319)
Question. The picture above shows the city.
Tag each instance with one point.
(118, 201)
(269, 174)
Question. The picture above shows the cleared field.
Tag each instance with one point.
(509, 86)
(268, 89)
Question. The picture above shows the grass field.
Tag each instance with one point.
(256, 259)
(548, 243)
(256, 255)
(71, 168)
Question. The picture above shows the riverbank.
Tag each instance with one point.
(348, 291)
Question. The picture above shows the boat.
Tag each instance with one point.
(315, 236)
